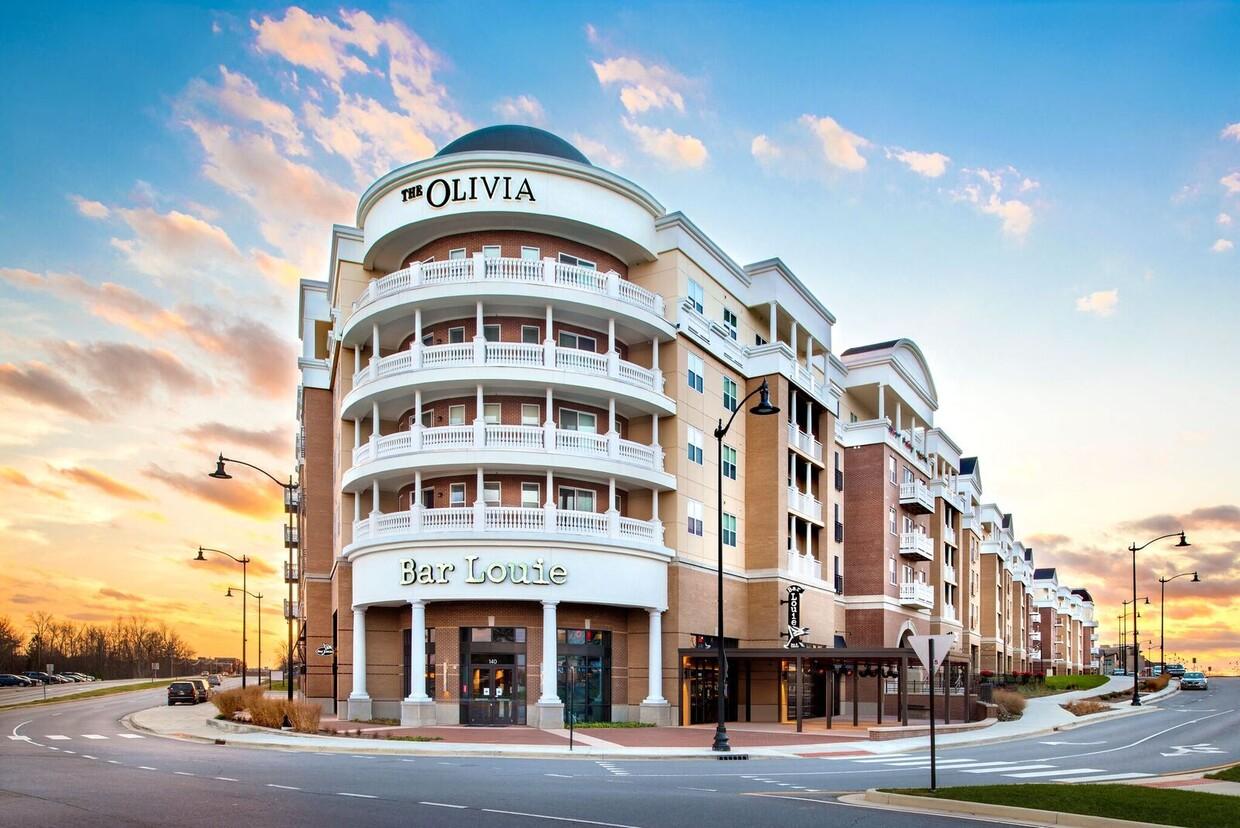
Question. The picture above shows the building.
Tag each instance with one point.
(511, 380)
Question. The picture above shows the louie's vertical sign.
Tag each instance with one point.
(795, 632)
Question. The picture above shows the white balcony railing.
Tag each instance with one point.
(806, 443)
(917, 545)
(291, 572)
(972, 523)
(917, 496)
(509, 354)
(948, 613)
(545, 438)
(499, 520)
(916, 594)
(949, 574)
(804, 566)
(482, 269)
(949, 535)
(804, 503)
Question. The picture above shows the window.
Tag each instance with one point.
(694, 517)
(530, 254)
(697, 373)
(576, 500)
(908, 475)
(531, 414)
(891, 569)
(729, 462)
(908, 574)
(891, 520)
(456, 415)
(891, 468)
(759, 340)
(428, 417)
(456, 253)
(697, 297)
(456, 494)
(531, 335)
(909, 526)
(577, 262)
(729, 529)
(571, 420)
(490, 413)
(729, 394)
(428, 497)
(491, 492)
(729, 322)
(490, 333)
(491, 251)
(456, 334)
(428, 339)
(694, 443)
(578, 341)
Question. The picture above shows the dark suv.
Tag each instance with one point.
(182, 691)
(40, 677)
(204, 689)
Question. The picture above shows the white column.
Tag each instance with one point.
(611, 414)
(478, 319)
(374, 420)
(374, 341)
(882, 411)
(359, 655)
(774, 329)
(417, 410)
(654, 685)
(357, 432)
(809, 539)
(357, 362)
(899, 416)
(654, 504)
(809, 352)
(792, 340)
(654, 430)
(654, 355)
(550, 492)
(550, 418)
(549, 695)
(374, 499)
(417, 653)
(549, 336)
(611, 334)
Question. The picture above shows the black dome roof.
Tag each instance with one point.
(514, 138)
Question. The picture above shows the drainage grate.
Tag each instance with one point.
(733, 757)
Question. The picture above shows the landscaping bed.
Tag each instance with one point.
(1231, 774)
(252, 705)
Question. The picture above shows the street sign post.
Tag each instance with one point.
(154, 671)
(931, 650)
(51, 671)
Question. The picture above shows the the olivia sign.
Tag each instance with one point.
(476, 571)
(441, 191)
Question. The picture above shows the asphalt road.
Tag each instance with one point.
(99, 771)
(16, 695)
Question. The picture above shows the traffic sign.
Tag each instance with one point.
(942, 645)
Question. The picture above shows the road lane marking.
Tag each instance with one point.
(283, 787)
(146, 767)
(1106, 777)
(129, 736)
(225, 779)
(444, 805)
(70, 752)
(93, 736)
(1005, 770)
(88, 756)
(359, 796)
(1139, 741)
(184, 773)
(57, 738)
(559, 775)
(556, 818)
(113, 762)
(1061, 772)
(20, 738)
(708, 790)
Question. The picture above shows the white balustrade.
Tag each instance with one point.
(949, 574)
(804, 566)
(586, 362)
(508, 519)
(949, 535)
(803, 441)
(804, 503)
(915, 593)
(581, 278)
(514, 353)
(514, 270)
(917, 545)
(917, 494)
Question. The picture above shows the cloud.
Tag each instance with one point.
(17, 478)
(314, 43)
(1222, 245)
(984, 189)
(1099, 303)
(36, 382)
(1223, 219)
(167, 244)
(642, 87)
(280, 271)
(1231, 183)
(221, 436)
(1231, 131)
(524, 109)
(88, 208)
(672, 148)
(764, 149)
(257, 567)
(117, 595)
(840, 147)
(925, 164)
(143, 371)
(98, 480)
(370, 137)
(253, 500)
(598, 152)
(238, 97)
(1225, 516)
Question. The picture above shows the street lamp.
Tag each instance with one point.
(244, 561)
(763, 408)
(290, 488)
(1136, 646)
(1123, 647)
(259, 596)
(1162, 608)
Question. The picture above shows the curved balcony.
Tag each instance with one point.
(508, 447)
(597, 376)
(519, 280)
(508, 523)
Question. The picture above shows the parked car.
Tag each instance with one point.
(182, 691)
(203, 688)
(69, 678)
(73, 674)
(214, 680)
(10, 680)
(39, 677)
(1193, 681)
(1119, 671)
(1176, 670)
(1157, 671)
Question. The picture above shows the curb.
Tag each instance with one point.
(949, 807)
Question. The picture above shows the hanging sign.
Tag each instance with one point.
(796, 633)
(326, 650)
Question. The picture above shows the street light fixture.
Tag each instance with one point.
(290, 488)
(1162, 608)
(258, 596)
(762, 409)
(244, 561)
(1136, 646)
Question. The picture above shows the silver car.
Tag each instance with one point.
(1194, 681)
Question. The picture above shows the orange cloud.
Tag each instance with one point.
(98, 480)
(253, 500)
(257, 567)
(220, 436)
(15, 477)
(37, 383)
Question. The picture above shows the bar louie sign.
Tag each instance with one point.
(440, 191)
(474, 571)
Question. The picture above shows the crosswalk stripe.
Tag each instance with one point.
(905, 763)
(20, 738)
(129, 736)
(93, 736)
(884, 760)
(1038, 774)
(981, 765)
(1005, 770)
(1106, 777)
(58, 738)
(868, 758)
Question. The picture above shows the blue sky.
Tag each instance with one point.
(1054, 237)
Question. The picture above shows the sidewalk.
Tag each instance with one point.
(1042, 715)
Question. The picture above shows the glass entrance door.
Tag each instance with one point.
(491, 695)
(582, 682)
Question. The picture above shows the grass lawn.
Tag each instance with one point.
(1165, 806)
(91, 694)
(1231, 774)
(1059, 684)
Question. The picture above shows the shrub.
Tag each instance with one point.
(1011, 705)
(231, 702)
(266, 712)
(1153, 685)
(1083, 707)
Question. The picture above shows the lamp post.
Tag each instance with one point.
(1136, 645)
(1162, 609)
(244, 561)
(259, 597)
(289, 488)
(763, 408)
(1123, 649)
